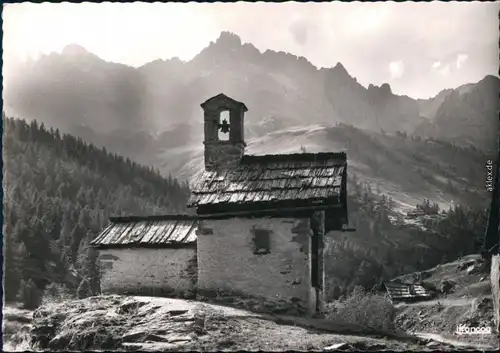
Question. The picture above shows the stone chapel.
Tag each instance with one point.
(258, 232)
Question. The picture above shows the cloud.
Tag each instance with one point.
(461, 59)
(456, 64)
(299, 32)
(445, 70)
(396, 69)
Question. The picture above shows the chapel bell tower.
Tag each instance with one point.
(224, 132)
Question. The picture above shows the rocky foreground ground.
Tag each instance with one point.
(161, 324)
(126, 323)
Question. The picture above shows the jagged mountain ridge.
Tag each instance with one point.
(76, 88)
(467, 115)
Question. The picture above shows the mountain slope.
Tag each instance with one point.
(76, 88)
(467, 115)
(405, 168)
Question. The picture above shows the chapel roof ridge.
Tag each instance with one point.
(308, 156)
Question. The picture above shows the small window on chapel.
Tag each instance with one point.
(223, 131)
(262, 241)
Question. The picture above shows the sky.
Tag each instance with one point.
(418, 48)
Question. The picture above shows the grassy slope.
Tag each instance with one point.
(404, 169)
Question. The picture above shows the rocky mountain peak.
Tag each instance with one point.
(339, 68)
(228, 40)
(386, 88)
(339, 74)
(74, 50)
(383, 90)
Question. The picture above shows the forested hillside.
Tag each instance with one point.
(386, 244)
(58, 193)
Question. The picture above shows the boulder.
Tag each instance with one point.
(446, 286)
(337, 346)
(109, 324)
(355, 346)
(465, 264)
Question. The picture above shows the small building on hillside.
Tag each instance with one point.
(153, 255)
(415, 214)
(404, 292)
(260, 224)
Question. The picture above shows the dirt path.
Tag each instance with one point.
(445, 302)
(438, 338)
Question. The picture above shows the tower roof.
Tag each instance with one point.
(223, 101)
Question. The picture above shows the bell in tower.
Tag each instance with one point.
(224, 132)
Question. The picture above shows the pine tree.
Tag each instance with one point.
(88, 265)
(29, 295)
(13, 257)
(84, 289)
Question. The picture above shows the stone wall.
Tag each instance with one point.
(223, 154)
(171, 272)
(228, 264)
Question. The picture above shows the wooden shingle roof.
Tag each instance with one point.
(399, 292)
(175, 230)
(292, 179)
